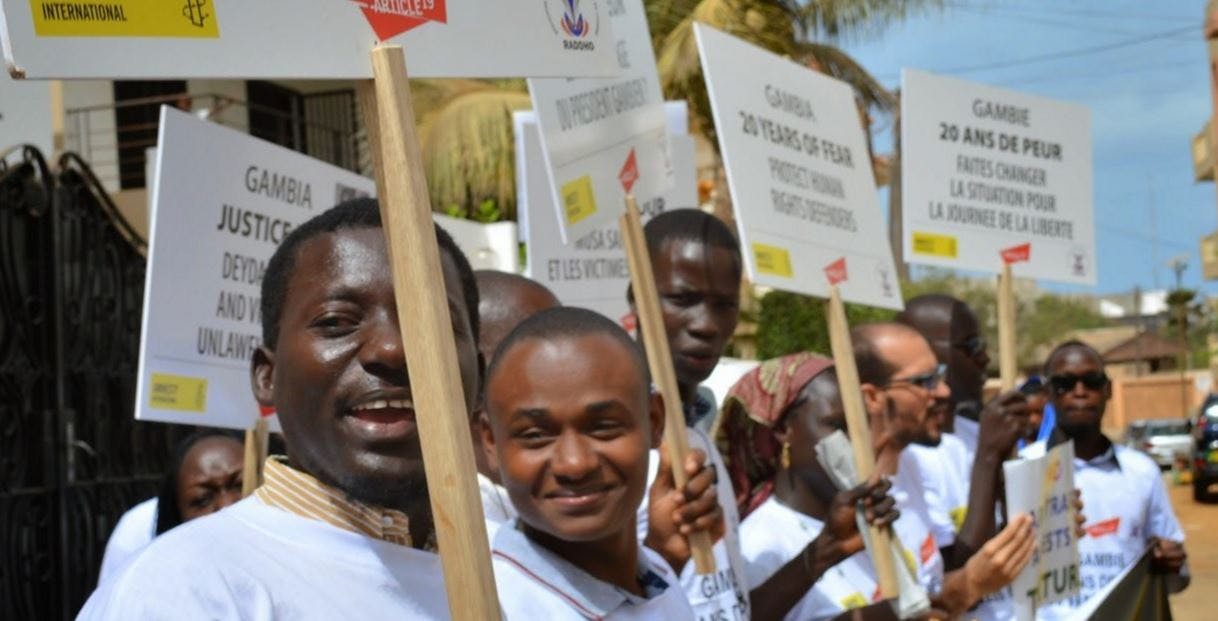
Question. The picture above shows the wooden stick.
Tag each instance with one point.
(860, 434)
(427, 337)
(1008, 367)
(659, 359)
(256, 438)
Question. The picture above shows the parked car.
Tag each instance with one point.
(1164, 440)
(1205, 449)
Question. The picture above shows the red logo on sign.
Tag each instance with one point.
(390, 18)
(928, 548)
(836, 271)
(629, 322)
(1107, 527)
(266, 410)
(630, 172)
(1017, 254)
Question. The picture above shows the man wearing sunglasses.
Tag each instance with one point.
(1127, 506)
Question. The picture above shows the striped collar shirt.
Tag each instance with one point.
(291, 490)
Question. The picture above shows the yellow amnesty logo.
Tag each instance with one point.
(773, 260)
(934, 244)
(578, 201)
(125, 18)
(178, 392)
(957, 515)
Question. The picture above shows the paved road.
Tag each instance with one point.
(1200, 522)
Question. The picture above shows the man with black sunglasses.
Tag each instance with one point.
(1127, 506)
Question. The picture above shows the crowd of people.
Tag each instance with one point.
(585, 517)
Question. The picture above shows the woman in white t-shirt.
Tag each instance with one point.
(799, 537)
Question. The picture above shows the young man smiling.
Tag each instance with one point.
(341, 528)
(569, 421)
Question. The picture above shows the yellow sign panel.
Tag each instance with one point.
(125, 18)
(578, 201)
(934, 244)
(773, 260)
(178, 392)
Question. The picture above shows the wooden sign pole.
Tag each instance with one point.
(860, 434)
(256, 438)
(427, 337)
(659, 359)
(1008, 367)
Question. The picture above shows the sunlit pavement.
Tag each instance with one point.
(1200, 523)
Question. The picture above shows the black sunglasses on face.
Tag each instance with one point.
(1066, 382)
(925, 381)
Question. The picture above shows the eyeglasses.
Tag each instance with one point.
(925, 381)
(1066, 382)
(973, 346)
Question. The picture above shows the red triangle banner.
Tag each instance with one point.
(390, 18)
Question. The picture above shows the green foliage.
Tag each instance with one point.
(790, 323)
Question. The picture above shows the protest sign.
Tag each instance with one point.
(1042, 487)
(986, 169)
(605, 138)
(312, 40)
(222, 202)
(800, 173)
(490, 246)
(590, 272)
(25, 115)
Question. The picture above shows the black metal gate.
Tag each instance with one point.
(72, 459)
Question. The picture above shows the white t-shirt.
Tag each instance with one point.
(134, 531)
(967, 431)
(774, 533)
(1126, 504)
(913, 529)
(534, 583)
(496, 505)
(944, 475)
(252, 561)
(723, 595)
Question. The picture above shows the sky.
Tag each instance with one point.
(1140, 67)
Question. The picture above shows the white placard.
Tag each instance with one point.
(317, 39)
(25, 115)
(487, 246)
(223, 201)
(985, 169)
(1042, 487)
(592, 272)
(604, 138)
(800, 173)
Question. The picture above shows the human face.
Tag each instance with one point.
(699, 289)
(967, 358)
(814, 415)
(338, 375)
(210, 477)
(569, 422)
(1080, 408)
(913, 410)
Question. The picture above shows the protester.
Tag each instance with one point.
(1127, 505)
(204, 476)
(799, 536)
(504, 300)
(569, 421)
(959, 480)
(341, 526)
(698, 269)
(902, 384)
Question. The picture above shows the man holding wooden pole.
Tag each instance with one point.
(342, 525)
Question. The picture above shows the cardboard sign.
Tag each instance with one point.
(25, 115)
(323, 39)
(984, 168)
(223, 201)
(605, 138)
(1043, 487)
(214, 224)
(800, 173)
(591, 272)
